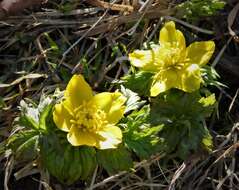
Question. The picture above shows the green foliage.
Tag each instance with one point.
(45, 121)
(53, 45)
(210, 77)
(173, 123)
(176, 105)
(28, 121)
(23, 145)
(67, 163)
(115, 160)
(133, 100)
(39, 137)
(33, 121)
(139, 135)
(36, 117)
(193, 10)
(183, 115)
(138, 82)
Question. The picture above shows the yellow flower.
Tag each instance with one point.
(174, 64)
(89, 120)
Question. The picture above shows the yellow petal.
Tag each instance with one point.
(145, 59)
(77, 91)
(112, 137)
(200, 52)
(165, 80)
(170, 37)
(191, 78)
(157, 88)
(62, 117)
(112, 104)
(78, 137)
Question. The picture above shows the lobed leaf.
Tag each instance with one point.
(115, 160)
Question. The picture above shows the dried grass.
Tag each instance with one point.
(91, 30)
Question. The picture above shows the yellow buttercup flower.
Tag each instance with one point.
(174, 64)
(89, 120)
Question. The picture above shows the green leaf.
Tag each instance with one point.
(193, 10)
(30, 110)
(133, 100)
(53, 44)
(28, 122)
(139, 135)
(139, 82)
(210, 77)
(37, 117)
(65, 162)
(207, 142)
(176, 105)
(46, 118)
(28, 149)
(24, 144)
(183, 115)
(115, 160)
(88, 161)
(208, 101)
(143, 146)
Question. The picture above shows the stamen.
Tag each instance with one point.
(88, 117)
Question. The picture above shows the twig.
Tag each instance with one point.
(112, 6)
(93, 178)
(145, 7)
(219, 55)
(233, 100)
(176, 176)
(230, 20)
(137, 166)
(205, 31)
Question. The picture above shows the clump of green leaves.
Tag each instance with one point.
(138, 82)
(140, 136)
(173, 124)
(170, 124)
(183, 116)
(35, 137)
(193, 10)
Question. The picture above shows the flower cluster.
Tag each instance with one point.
(83, 130)
(91, 119)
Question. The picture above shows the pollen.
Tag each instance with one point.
(172, 59)
(89, 117)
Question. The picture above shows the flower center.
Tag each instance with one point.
(174, 59)
(89, 117)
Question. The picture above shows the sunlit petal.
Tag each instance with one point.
(112, 104)
(112, 137)
(170, 37)
(78, 137)
(191, 78)
(144, 59)
(78, 91)
(165, 80)
(62, 117)
(200, 52)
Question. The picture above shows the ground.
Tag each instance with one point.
(42, 45)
